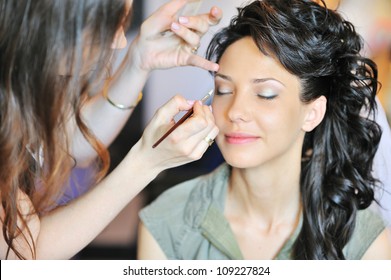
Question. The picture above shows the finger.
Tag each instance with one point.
(215, 15)
(191, 138)
(204, 143)
(201, 23)
(206, 113)
(164, 16)
(198, 61)
(172, 7)
(191, 28)
(172, 107)
(203, 111)
(191, 37)
(202, 119)
(196, 144)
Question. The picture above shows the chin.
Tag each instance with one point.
(241, 161)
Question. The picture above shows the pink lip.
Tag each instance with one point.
(240, 138)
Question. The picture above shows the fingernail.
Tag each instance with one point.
(191, 102)
(183, 20)
(175, 26)
(215, 67)
(215, 11)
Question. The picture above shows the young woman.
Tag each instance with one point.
(56, 112)
(298, 146)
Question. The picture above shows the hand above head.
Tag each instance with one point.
(154, 49)
(151, 49)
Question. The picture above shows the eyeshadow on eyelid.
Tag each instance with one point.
(267, 92)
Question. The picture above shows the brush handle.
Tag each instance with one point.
(181, 120)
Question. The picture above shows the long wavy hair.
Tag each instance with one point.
(322, 49)
(45, 49)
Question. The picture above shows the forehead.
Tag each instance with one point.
(244, 59)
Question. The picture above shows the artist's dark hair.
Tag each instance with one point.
(44, 46)
(322, 49)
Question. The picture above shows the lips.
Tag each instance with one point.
(240, 138)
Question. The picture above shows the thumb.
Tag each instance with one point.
(215, 15)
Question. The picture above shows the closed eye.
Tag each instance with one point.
(222, 92)
(267, 97)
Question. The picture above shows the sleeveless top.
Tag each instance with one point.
(188, 222)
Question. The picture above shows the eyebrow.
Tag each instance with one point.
(224, 77)
(255, 81)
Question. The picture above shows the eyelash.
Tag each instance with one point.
(271, 97)
(217, 92)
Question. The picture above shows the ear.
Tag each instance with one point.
(120, 40)
(315, 113)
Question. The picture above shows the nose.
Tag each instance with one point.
(120, 40)
(239, 108)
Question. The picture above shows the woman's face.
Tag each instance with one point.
(120, 40)
(257, 108)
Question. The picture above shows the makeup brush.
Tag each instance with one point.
(181, 120)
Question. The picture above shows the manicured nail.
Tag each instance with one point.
(191, 102)
(215, 67)
(215, 11)
(175, 26)
(183, 20)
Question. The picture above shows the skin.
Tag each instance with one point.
(257, 107)
(64, 231)
(243, 82)
(148, 51)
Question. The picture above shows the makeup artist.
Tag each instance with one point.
(61, 107)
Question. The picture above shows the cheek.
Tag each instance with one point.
(280, 124)
(273, 118)
(218, 110)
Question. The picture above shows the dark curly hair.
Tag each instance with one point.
(322, 49)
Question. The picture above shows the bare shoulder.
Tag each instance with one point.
(380, 249)
(147, 246)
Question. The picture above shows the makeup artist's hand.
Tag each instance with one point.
(185, 144)
(152, 49)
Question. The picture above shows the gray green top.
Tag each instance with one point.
(188, 222)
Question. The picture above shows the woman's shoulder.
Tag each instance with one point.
(193, 193)
(369, 225)
(173, 218)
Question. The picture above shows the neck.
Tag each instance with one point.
(270, 198)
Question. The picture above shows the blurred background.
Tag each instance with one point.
(118, 241)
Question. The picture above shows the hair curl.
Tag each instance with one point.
(322, 49)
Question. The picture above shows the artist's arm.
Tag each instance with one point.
(64, 231)
(150, 50)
